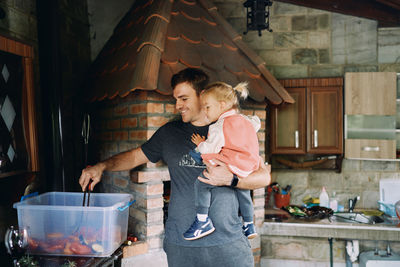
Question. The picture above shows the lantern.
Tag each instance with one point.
(257, 15)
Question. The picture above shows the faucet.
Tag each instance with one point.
(352, 203)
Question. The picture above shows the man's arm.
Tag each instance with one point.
(120, 162)
(220, 175)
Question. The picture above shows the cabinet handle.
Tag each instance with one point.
(370, 148)
(315, 138)
(296, 139)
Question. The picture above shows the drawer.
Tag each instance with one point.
(370, 149)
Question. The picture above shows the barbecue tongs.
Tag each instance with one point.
(87, 190)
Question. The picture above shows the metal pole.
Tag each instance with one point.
(330, 239)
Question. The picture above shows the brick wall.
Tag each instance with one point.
(125, 123)
(122, 124)
(252, 108)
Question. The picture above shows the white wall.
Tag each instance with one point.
(104, 15)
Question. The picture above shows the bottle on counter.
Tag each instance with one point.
(333, 203)
(324, 198)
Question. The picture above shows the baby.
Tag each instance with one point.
(233, 140)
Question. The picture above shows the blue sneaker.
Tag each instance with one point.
(250, 231)
(199, 229)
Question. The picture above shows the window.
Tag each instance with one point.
(18, 139)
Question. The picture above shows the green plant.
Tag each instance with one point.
(69, 264)
(28, 261)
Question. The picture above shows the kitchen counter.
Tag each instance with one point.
(327, 229)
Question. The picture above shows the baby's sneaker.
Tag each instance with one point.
(250, 231)
(199, 229)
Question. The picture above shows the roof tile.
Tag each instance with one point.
(164, 79)
(158, 38)
(228, 77)
(147, 68)
(210, 56)
(187, 28)
(171, 53)
(155, 35)
(189, 56)
(176, 67)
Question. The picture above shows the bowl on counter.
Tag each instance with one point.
(387, 208)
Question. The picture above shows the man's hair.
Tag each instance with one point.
(197, 78)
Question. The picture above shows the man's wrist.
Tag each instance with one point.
(102, 165)
(235, 181)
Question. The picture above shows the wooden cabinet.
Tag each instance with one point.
(370, 115)
(313, 124)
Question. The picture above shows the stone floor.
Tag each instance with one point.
(298, 263)
(151, 259)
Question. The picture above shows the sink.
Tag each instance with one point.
(354, 217)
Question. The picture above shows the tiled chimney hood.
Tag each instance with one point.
(157, 38)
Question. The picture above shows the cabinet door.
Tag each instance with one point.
(325, 120)
(288, 125)
(370, 115)
(370, 93)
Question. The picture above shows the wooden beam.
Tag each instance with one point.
(386, 15)
(392, 3)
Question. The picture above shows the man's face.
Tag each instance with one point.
(211, 107)
(188, 104)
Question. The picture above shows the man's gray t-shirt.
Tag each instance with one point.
(172, 143)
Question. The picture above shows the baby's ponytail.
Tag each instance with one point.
(242, 90)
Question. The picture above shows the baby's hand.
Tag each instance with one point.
(197, 139)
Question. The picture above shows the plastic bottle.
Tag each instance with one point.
(333, 203)
(324, 198)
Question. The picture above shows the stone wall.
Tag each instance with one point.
(20, 21)
(299, 251)
(308, 42)
(314, 43)
(358, 178)
(104, 15)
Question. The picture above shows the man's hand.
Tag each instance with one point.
(197, 139)
(220, 175)
(217, 174)
(120, 162)
(93, 173)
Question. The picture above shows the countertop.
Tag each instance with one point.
(330, 229)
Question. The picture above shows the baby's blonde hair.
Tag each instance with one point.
(224, 92)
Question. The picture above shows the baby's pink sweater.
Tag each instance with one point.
(233, 140)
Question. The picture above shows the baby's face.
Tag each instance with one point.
(211, 107)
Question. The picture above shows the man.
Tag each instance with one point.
(227, 246)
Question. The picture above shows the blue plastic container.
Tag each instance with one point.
(57, 223)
